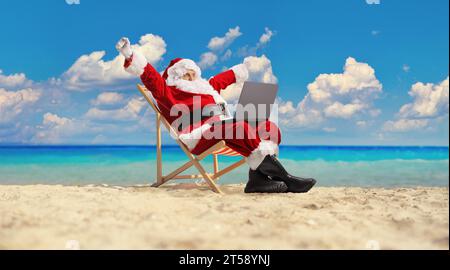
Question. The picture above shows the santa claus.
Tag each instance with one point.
(181, 85)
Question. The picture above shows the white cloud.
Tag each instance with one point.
(260, 69)
(100, 139)
(358, 82)
(227, 55)
(403, 125)
(299, 116)
(220, 43)
(107, 98)
(15, 132)
(286, 107)
(13, 103)
(266, 37)
(430, 100)
(339, 110)
(55, 128)
(54, 120)
(375, 32)
(406, 68)
(373, 2)
(207, 59)
(14, 80)
(361, 123)
(430, 104)
(329, 129)
(152, 46)
(343, 95)
(129, 112)
(374, 112)
(19, 105)
(91, 71)
(247, 51)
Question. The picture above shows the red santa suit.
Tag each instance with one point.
(170, 90)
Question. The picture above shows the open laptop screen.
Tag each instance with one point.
(256, 101)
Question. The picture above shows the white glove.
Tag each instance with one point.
(240, 72)
(124, 47)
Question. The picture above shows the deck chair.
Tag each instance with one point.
(194, 160)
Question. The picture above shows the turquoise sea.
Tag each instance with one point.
(374, 166)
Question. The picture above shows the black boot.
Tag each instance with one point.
(259, 183)
(272, 167)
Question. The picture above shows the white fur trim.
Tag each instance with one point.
(175, 72)
(264, 148)
(138, 64)
(199, 86)
(191, 139)
(240, 72)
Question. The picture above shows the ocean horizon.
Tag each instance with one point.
(126, 165)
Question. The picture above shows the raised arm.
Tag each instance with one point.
(236, 74)
(137, 64)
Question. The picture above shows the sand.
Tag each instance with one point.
(190, 217)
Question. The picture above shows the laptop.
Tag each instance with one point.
(255, 102)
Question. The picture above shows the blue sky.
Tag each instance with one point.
(404, 43)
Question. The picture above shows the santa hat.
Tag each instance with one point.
(179, 67)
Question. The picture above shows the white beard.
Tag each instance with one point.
(198, 86)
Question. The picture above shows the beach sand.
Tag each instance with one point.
(186, 216)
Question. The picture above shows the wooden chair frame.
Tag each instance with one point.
(194, 160)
